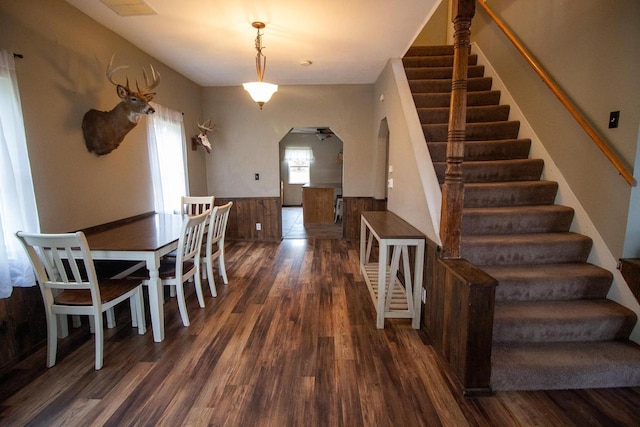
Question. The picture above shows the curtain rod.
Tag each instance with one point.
(18, 55)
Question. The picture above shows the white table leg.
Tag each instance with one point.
(155, 300)
(382, 279)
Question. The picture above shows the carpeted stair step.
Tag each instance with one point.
(475, 114)
(573, 365)
(523, 193)
(429, 100)
(441, 72)
(550, 282)
(496, 170)
(475, 131)
(517, 219)
(440, 50)
(434, 61)
(535, 248)
(556, 321)
(474, 84)
(484, 150)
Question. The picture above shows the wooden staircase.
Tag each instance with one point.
(553, 327)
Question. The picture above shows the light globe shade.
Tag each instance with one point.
(261, 92)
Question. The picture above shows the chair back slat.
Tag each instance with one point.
(190, 240)
(195, 205)
(218, 223)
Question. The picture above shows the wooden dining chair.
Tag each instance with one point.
(175, 272)
(215, 244)
(67, 278)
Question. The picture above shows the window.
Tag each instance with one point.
(167, 158)
(17, 199)
(299, 162)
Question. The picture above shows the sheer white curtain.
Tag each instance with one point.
(17, 199)
(167, 158)
(300, 154)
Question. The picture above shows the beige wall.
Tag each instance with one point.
(61, 76)
(246, 138)
(591, 49)
(434, 32)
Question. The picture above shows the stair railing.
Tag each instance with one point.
(453, 187)
(602, 145)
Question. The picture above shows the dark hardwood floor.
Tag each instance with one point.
(291, 341)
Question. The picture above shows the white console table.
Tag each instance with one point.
(394, 236)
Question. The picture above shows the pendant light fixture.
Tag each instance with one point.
(260, 91)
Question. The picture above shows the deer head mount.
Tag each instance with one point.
(202, 138)
(104, 130)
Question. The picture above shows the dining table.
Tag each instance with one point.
(145, 238)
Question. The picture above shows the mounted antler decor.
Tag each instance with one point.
(104, 130)
(202, 138)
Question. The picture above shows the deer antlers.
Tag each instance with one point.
(205, 127)
(202, 138)
(149, 85)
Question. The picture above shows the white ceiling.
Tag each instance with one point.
(212, 41)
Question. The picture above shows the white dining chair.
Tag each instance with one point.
(215, 244)
(193, 205)
(175, 272)
(67, 278)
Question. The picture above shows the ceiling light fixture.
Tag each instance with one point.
(260, 91)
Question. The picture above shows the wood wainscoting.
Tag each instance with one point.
(23, 327)
(246, 212)
(351, 211)
(458, 318)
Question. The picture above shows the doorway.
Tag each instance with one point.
(310, 158)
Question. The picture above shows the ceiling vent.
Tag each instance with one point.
(129, 7)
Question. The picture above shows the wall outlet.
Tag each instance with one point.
(390, 183)
(258, 226)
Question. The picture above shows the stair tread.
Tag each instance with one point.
(545, 282)
(475, 114)
(510, 193)
(559, 311)
(487, 97)
(516, 219)
(484, 150)
(438, 50)
(441, 72)
(477, 163)
(530, 238)
(508, 170)
(525, 248)
(515, 210)
(551, 366)
(550, 271)
(561, 321)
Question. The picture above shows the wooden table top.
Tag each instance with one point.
(388, 225)
(147, 233)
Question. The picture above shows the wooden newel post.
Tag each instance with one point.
(453, 188)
